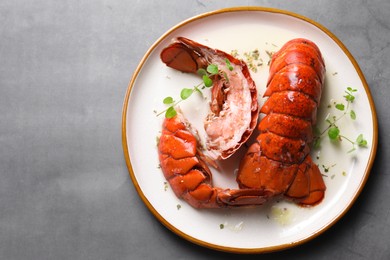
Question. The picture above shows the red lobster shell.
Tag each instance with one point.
(278, 164)
(234, 108)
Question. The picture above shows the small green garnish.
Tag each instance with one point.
(207, 82)
(228, 64)
(221, 226)
(201, 72)
(340, 107)
(352, 114)
(360, 141)
(333, 131)
(212, 69)
(349, 94)
(170, 112)
(178, 206)
(186, 93)
(168, 100)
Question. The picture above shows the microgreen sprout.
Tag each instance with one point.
(228, 64)
(333, 131)
(206, 74)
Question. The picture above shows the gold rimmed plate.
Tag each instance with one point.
(274, 226)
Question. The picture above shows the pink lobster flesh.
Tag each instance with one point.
(278, 164)
(234, 108)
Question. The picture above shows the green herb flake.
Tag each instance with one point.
(352, 114)
(333, 132)
(228, 64)
(360, 141)
(171, 112)
(349, 97)
(178, 206)
(168, 100)
(212, 69)
(201, 72)
(186, 93)
(340, 107)
(317, 143)
(207, 81)
(221, 226)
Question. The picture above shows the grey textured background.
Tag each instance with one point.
(65, 192)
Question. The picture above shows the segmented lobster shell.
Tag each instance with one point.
(280, 161)
(234, 106)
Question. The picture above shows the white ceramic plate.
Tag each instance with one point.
(270, 227)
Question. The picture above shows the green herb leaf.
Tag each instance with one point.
(221, 226)
(201, 72)
(168, 100)
(333, 133)
(340, 107)
(207, 81)
(349, 97)
(317, 143)
(212, 69)
(171, 112)
(352, 114)
(228, 64)
(186, 93)
(360, 141)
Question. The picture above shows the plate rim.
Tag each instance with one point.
(267, 249)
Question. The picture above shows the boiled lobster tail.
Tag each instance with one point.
(189, 176)
(234, 107)
(279, 161)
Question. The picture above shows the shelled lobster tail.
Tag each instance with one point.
(279, 162)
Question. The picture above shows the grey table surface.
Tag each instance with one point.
(65, 191)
